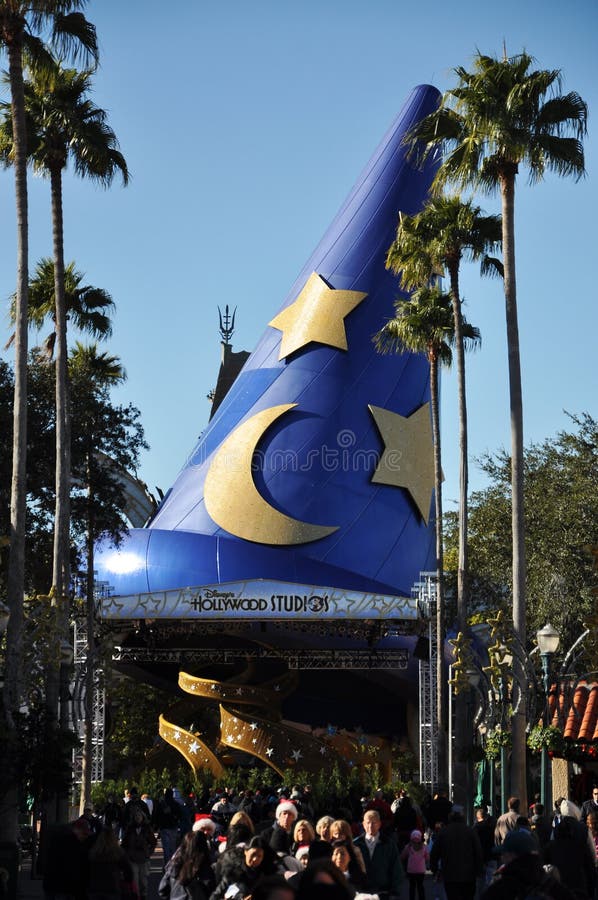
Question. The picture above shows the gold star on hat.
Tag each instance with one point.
(317, 315)
(408, 457)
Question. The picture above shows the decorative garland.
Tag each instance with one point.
(550, 738)
(495, 740)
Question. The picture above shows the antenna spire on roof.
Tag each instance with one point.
(227, 323)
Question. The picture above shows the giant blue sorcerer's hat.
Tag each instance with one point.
(317, 468)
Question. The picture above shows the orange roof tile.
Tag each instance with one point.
(573, 707)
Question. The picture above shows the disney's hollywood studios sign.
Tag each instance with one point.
(259, 599)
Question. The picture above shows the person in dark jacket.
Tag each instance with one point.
(280, 835)
(571, 854)
(484, 828)
(66, 868)
(438, 809)
(188, 875)
(405, 820)
(522, 874)
(133, 804)
(109, 868)
(243, 867)
(322, 880)
(343, 857)
(383, 867)
(541, 824)
(167, 820)
(139, 842)
(591, 805)
(457, 854)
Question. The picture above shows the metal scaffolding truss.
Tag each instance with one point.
(425, 592)
(357, 629)
(81, 648)
(294, 659)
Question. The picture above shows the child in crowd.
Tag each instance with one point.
(416, 859)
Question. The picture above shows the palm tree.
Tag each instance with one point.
(425, 324)
(65, 124)
(87, 306)
(95, 372)
(500, 116)
(437, 239)
(21, 23)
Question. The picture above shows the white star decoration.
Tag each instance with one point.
(177, 735)
(269, 751)
(253, 726)
(323, 750)
(213, 688)
(296, 754)
(239, 692)
(194, 747)
(254, 741)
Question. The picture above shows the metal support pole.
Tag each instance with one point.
(469, 766)
(545, 763)
(503, 779)
(425, 591)
(450, 732)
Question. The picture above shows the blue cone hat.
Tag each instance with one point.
(317, 468)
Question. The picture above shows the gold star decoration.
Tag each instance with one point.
(317, 315)
(191, 747)
(408, 457)
(269, 694)
(463, 662)
(278, 744)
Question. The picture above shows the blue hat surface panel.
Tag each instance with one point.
(280, 485)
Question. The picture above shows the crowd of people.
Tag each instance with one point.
(271, 845)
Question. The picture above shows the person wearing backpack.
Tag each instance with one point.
(415, 858)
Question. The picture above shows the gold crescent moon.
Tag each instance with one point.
(232, 499)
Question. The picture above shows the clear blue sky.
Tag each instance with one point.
(244, 126)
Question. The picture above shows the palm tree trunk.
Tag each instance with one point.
(461, 717)
(60, 560)
(18, 499)
(61, 552)
(90, 670)
(518, 756)
(462, 571)
(441, 719)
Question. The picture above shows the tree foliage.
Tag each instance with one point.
(561, 517)
(117, 437)
(136, 708)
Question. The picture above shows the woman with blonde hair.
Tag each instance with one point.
(239, 832)
(340, 830)
(303, 834)
(241, 817)
(323, 828)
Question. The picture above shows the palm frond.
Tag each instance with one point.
(492, 267)
(74, 36)
(499, 116)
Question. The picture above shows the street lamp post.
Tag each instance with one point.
(548, 643)
(473, 676)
